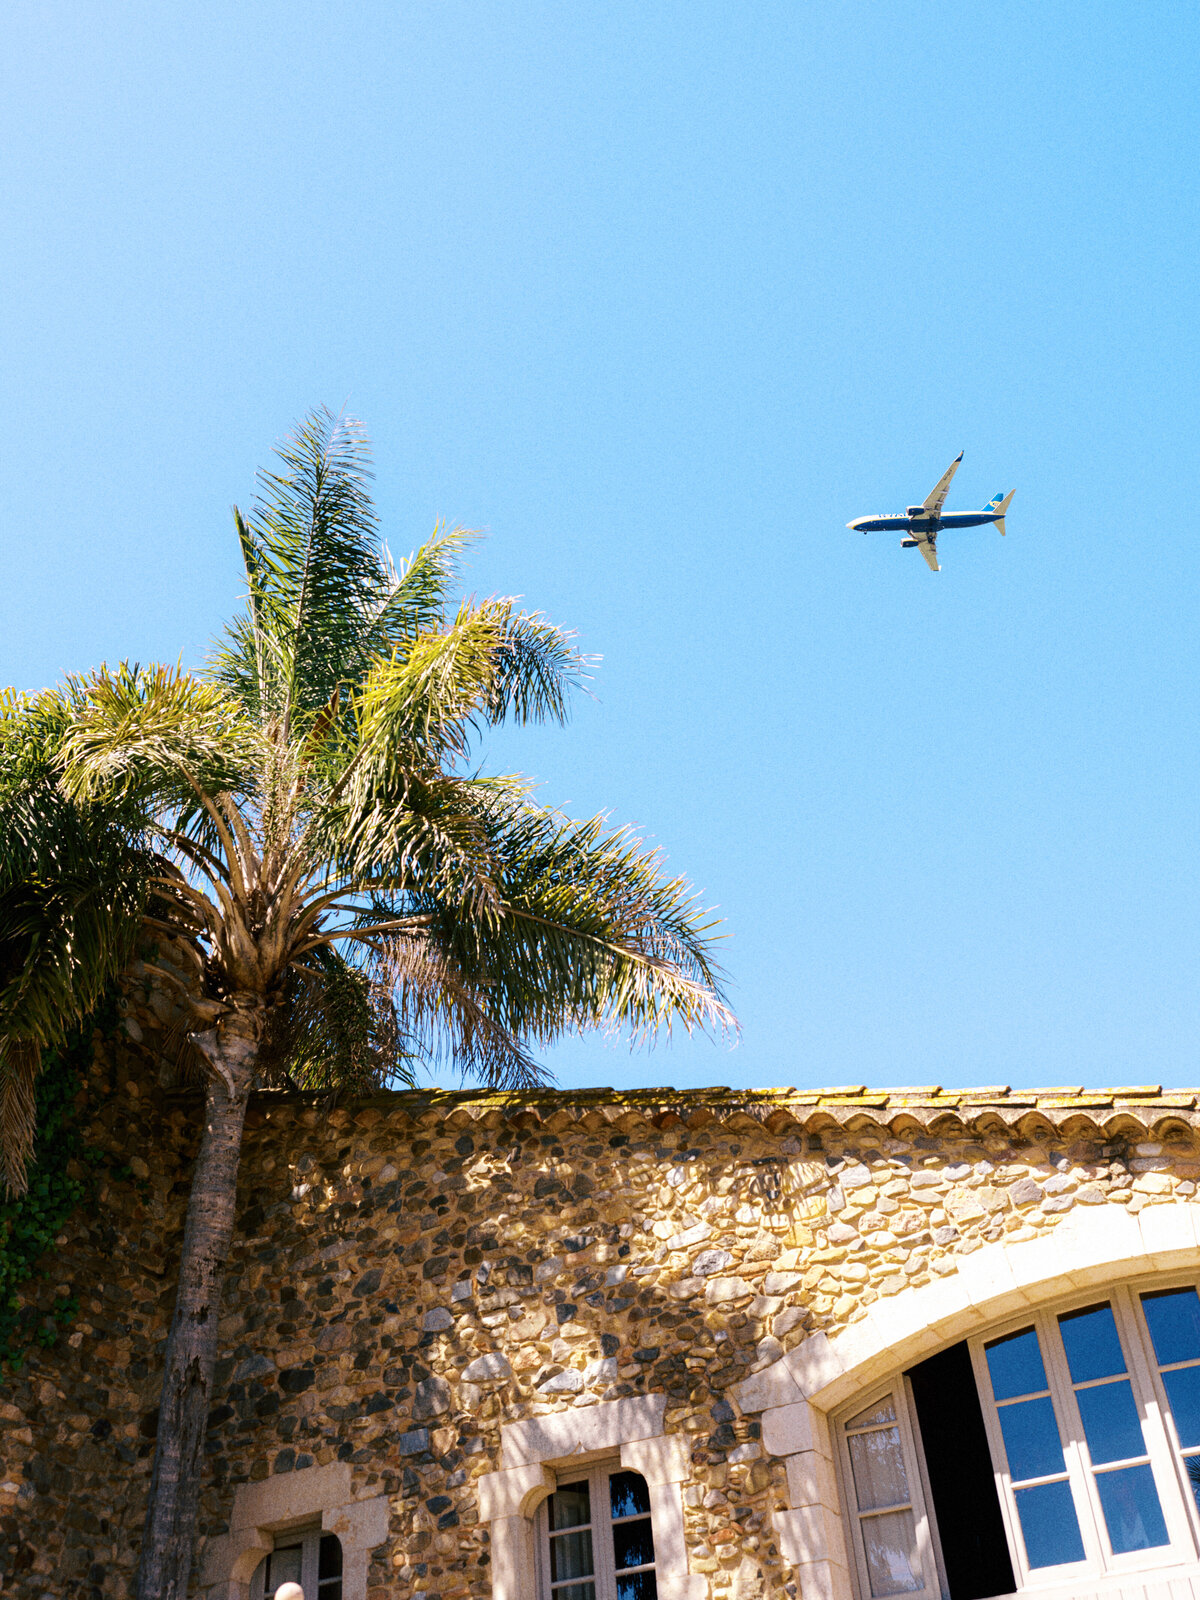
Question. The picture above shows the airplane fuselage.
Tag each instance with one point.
(921, 523)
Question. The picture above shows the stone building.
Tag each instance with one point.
(700, 1345)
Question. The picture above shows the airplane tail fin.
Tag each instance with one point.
(999, 506)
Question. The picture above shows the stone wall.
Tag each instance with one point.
(412, 1271)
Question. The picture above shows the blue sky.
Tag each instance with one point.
(663, 295)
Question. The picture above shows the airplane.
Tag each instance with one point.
(923, 523)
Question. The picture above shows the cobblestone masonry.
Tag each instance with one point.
(411, 1271)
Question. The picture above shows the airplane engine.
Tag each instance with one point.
(908, 544)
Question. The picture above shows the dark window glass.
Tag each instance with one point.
(283, 1566)
(628, 1495)
(576, 1591)
(1183, 1393)
(633, 1544)
(1090, 1340)
(329, 1558)
(637, 1586)
(1031, 1439)
(1131, 1509)
(570, 1506)
(962, 1483)
(571, 1556)
(1049, 1525)
(1110, 1422)
(1173, 1317)
(1015, 1365)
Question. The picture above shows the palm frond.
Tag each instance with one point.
(416, 827)
(450, 1020)
(591, 933)
(155, 730)
(336, 1028)
(314, 570)
(74, 888)
(534, 667)
(488, 663)
(417, 597)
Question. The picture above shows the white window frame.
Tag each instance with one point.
(309, 1541)
(1180, 1507)
(914, 1468)
(596, 1476)
(1099, 1559)
(1150, 1356)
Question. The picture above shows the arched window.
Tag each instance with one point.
(595, 1537)
(310, 1558)
(1060, 1447)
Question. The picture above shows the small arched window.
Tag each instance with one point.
(310, 1558)
(596, 1541)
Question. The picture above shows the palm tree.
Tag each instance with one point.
(302, 824)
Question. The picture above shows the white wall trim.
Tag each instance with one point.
(582, 1430)
(795, 1395)
(631, 1428)
(289, 1500)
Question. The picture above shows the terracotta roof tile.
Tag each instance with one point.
(784, 1110)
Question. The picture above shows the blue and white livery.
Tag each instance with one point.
(923, 523)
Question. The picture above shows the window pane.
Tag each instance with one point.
(329, 1559)
(1110, 1422)
(284, 1568)
(891, 1546)
(878, 1467)
(1091, 1342)
(885, 1411)
(1192, 1466)
(637, 1586)
(1173, 1317)
(633, 1544)
(628, 1495)
(1031, 1439)
(576, 1591)
(570, 1506)
(1015, 1365)
(1131, 1509)
(1183, 1394)
(1049, 1525)
(571, 1555)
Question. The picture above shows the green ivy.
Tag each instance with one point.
(30, 1223)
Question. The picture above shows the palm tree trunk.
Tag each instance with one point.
(169, 1533)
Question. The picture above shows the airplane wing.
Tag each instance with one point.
(938, 498)
(929, 550)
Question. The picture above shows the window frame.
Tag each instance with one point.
(1162, 1400)
(604, 1573)
(1180, 1503)
(308, 1538)
(928, 1550)
(1099, 1559)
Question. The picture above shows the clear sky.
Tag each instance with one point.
(663, 295)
